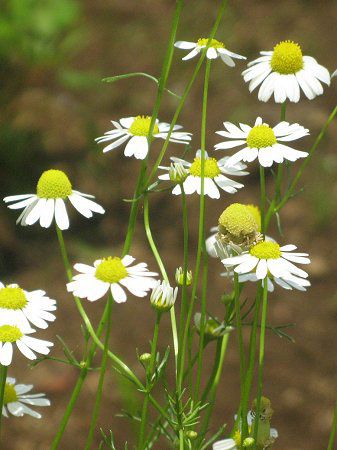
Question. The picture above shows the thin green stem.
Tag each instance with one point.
(239, 333)
(261, 357)
(3, 377)
(201, 232)
(148, 383)
(275, 207)
(251, 362)
(186, 93)
(263, 199)
(99, 392)
(333, 430)
(280, 166)
(185, 266)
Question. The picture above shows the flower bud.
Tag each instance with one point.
(178, 173)
(248, 442)
(144, 358)
(213, 329)
(163, 296)
(191, 435)
(179, 276)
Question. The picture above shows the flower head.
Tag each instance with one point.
(262, 142)
(214, 176)
(12, 334)
(163, 296)
(52, 191)
(114, 274)
(136, 130)
(267, 258)
(215, 50)
(16, 400)
(20, 307)
(179, 277)
(283, 72)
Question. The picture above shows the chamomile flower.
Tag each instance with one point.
(214, 177)
(268, 257)
(283, 72)
(20, 307)
(114, 274)
(262, 142)
(49, 202)
(12, 334)
(215, 50)
(136, 131)
(16, 399)
(163, 296)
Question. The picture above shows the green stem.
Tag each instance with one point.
(185, 266)
(201, 233)
(261, 357)
(251, 363)
(186, 93)
(280, 166)
(101, 377)
(214, 386)
(3, 377)
(263, 199)
(275, 207)
(163, 272)
(149, 376)
(333, 430)
(79, 384)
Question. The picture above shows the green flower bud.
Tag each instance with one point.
(191, 435)
(248, 442)
(178, 173)
(179, 276)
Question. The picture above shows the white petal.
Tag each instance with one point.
(48, 214)
(185, 45)
(118, 293)
(6, 354)
(61, 215)
(137, 146)
(116, 143)
(191, 54)
(261, 269)
(36, 212)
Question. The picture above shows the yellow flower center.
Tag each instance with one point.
(287, 58)
(53, 184)
(211, 168)
(12, 298)
(141, 126)
(255, 212)
(9, 333)
(237, 438)
(237, 220)
(10, 394)
(202, 42)
(111, 270)
(261, 136)
(266, 250)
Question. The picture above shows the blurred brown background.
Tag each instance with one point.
(53, 56)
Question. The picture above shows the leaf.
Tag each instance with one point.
(137, 74)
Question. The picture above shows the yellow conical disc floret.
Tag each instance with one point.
(10, 394)
(261, 136)
(111, 270)
(12, 298)
(53, 184)
(266, 250)
(287, 58)
(202, 42)
(237, 220)
(211, 168)
(141, 126)
(256, 213)
(9, 333)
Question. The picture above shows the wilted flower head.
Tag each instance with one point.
(163, 296)
(213, 329)
(179, 276)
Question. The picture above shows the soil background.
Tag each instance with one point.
(50, 117)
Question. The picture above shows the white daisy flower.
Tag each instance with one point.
(52, 190)
(262, 142)
(19, 307)
(113, 273)
(283, 72)
(12, 334)
(136, 131)
(289, 283)
(163, 296)
(268, 257)
(16, 400)
(215, 50)
(213, 176)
